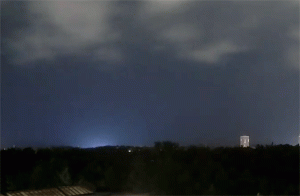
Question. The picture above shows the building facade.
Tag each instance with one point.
(244, 141)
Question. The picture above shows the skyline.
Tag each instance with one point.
(132, 73)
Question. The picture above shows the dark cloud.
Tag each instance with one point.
(200, 31)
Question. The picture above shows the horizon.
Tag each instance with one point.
(191, 145)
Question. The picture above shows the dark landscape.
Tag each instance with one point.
(165, 169)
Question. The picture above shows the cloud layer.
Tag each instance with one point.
(203, 32)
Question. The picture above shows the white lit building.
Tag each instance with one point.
(244, 141)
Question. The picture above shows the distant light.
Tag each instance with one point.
(129, 150)
(4, 148)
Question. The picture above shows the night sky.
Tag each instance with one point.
(95, 73)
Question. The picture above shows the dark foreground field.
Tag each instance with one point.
(164, 169)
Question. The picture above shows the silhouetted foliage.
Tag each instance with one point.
(164, 169)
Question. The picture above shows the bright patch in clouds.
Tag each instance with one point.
(152, 8)
(213, 52)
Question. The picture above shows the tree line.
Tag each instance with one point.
(165, 169)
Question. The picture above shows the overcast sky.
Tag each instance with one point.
(94, 73)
